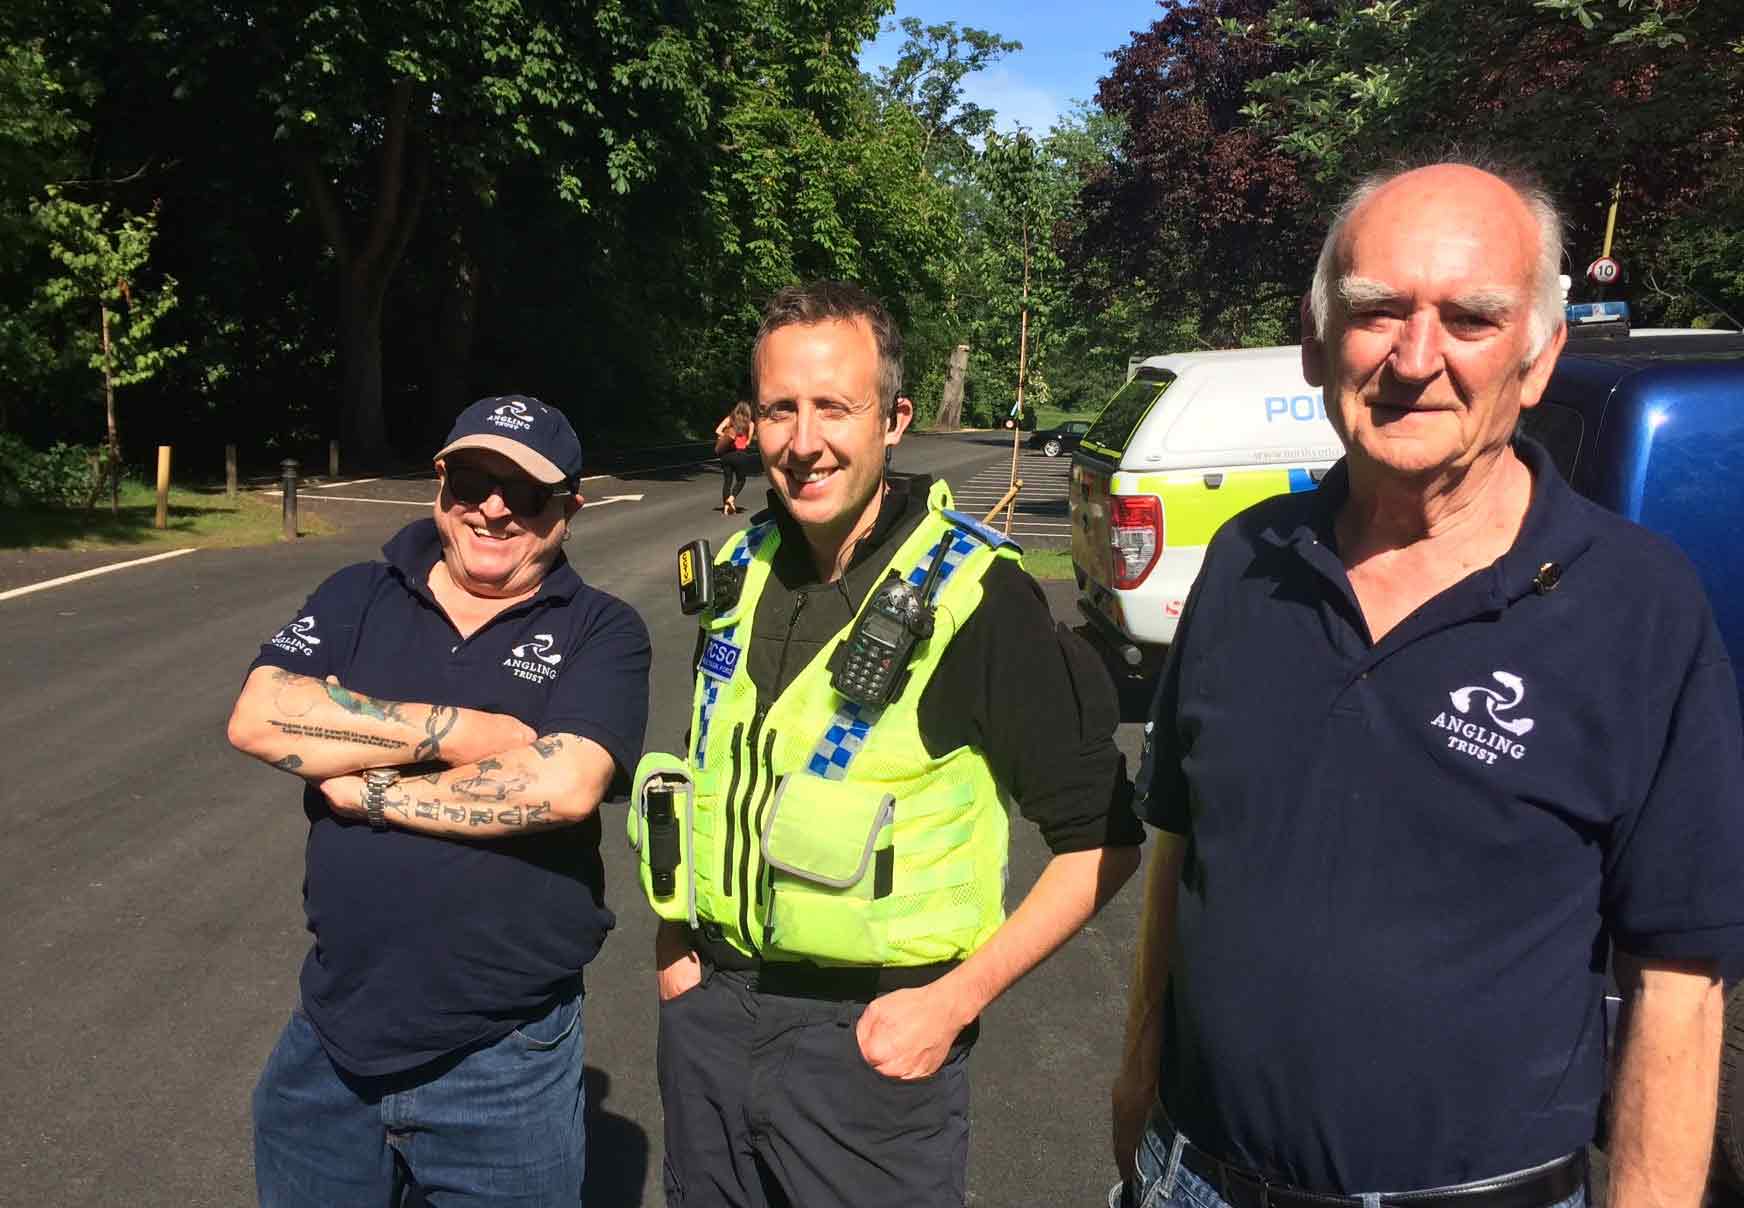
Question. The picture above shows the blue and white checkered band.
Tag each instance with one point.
(711, 691)
(711, 687)
(747, 549)
(991, 536)
(962, 545)
(847, 731)
(842, 740)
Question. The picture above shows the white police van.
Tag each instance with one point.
(1192, 439)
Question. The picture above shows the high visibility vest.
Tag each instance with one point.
(821, 830)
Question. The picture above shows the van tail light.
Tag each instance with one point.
(1136, 535)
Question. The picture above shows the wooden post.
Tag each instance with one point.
(163, 486)
(1022, 365)
(230, 472)
(289, 469)
(333, 459)
(950, 416)
(109, 406)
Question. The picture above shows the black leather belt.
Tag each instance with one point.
(1535, 1188)
(802, 979)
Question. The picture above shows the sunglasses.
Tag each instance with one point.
(522, 496)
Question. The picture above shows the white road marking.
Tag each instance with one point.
(87, 574)
(404, 503)
(600, 503)
(352, 482)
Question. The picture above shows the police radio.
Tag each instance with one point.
(870, 666)
(703, 585)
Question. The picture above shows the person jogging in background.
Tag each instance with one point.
(733, 436)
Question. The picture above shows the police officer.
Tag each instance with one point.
(838, 924)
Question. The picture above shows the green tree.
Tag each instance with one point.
(110, 315)
(379, 108)
(927, 80)
(39, 133)
(1588, 92)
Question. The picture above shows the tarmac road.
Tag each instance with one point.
(150, 880)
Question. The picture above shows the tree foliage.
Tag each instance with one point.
(371, 213)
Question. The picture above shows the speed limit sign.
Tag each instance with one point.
(1604, 271)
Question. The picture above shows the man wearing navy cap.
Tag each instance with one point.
(1434, 741)
(457, 712)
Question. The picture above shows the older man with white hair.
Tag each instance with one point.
(1433, 741)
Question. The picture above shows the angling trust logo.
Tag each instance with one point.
(298, 637)
(1482, 742)
(512, 415)
(534, 661)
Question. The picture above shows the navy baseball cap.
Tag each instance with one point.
(527, 432)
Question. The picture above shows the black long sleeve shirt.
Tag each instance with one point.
(1026, 692)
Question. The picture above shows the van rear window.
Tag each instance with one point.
(1113, 429)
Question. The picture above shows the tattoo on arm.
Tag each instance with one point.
(331, 735)
(364, 706)
(289, 763)
(436, 727)
(547, 747)
(295, 695)
(482, 786)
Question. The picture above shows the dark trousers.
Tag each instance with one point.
(769, 1104)
(735, 465)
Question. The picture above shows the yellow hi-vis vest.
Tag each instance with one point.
(821, 830)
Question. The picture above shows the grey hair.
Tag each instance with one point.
(838, 301)
(1546, 314)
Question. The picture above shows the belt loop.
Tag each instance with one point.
(1370, 1199)
(1172, 1168)
(1265, 1193)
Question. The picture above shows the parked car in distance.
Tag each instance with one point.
(1060, 439)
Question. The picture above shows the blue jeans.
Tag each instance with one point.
(499, 1125)
(1163, 1182)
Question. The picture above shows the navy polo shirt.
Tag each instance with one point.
(1405, 859)
(426, 945)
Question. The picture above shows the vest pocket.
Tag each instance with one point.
(848, 890)
(661, 822)
(825, 831)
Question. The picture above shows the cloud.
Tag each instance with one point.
(1014, 100)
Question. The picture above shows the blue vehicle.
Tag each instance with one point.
(1651, 425)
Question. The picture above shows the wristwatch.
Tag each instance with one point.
(376, 783)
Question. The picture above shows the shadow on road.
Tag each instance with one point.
(617, 1149)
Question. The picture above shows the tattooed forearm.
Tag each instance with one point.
(517, 817)
(547, 747)
(482, 786)
(436, 727)
(331, 735)
(365, 706)
(289, 763)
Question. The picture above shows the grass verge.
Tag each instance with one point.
(196, 517)
(1051, 417)
(1048, 563)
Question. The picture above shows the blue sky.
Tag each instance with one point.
(1065, 49)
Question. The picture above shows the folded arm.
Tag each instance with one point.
(1666, 1082)
(556, 780)
(317, 728)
